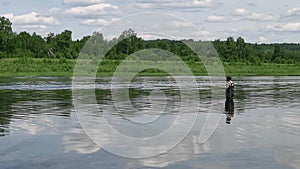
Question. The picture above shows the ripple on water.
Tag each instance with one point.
(290, 122)
(289, 156)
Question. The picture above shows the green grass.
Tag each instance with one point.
(36, 67)
(263, 70)
(64, 67)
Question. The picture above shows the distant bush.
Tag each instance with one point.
(2, 54)
(22, 53)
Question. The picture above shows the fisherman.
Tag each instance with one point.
(229, 88)
(229, 104)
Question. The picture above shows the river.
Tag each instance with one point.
(40, 126)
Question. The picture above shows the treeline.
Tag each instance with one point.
(61, 46)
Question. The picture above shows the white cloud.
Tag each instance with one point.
(31, 18)
(94, 22)
(240, 12)
(287, 27)
(9, 16)
(263, 39)
(37, 27)
(178, 4)
(227, 33)
(205, 33)
(96, 9)
(199, 3)
(82, 2)
(41, 30)
(179, 24)
(293, 11)
(144, 5)
(54, 10)
(245, 14)
(259, 17)
(216, 18)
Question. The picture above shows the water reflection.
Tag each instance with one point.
(289, 122)
(265, 130)
(31, 108)
(75, 139)
(289, 156)
(229, 110)
(5, 115)
(265, 92)
(4, 122)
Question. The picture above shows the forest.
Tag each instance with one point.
(62, 46)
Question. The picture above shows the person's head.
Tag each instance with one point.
(228, 78)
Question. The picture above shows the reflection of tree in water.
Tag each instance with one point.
(266, 92)
(240, 96)
(4, 122)
(103, 96)
(5, 115)
(49, 101)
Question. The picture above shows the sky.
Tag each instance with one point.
(257, 21)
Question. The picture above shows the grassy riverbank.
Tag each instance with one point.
(64, 67)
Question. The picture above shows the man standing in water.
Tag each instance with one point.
(229, 104)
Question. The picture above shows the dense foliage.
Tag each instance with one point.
(61, 46)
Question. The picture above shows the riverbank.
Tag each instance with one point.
(64, 67)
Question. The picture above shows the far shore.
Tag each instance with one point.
(64, 67)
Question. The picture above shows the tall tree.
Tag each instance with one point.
(37, 45)
(61, 44)
(241, 48)
(129, 42)
(231, 50)
(6, 35)
(278, 54)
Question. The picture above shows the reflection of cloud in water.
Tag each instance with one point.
(274, 128)
(250, 130)
(37, 117)
(289, 155)
(75, 139)
(245, 133)
(289, 125)
(43, 117)
(254, 134)
(184, 151)
(35, 126)
(290, 122)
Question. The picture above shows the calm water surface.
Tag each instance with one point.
(39, 127)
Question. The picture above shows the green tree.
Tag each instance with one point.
(231, 50)
(26, 43)
(278, 54)
(6, 36)
(59, 45)
(221, 48)
(242, 49)
(37, 45)
(129, 42)
(50, 45)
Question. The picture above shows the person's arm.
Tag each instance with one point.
(228, 84)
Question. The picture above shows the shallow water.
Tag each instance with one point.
(39, 127)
